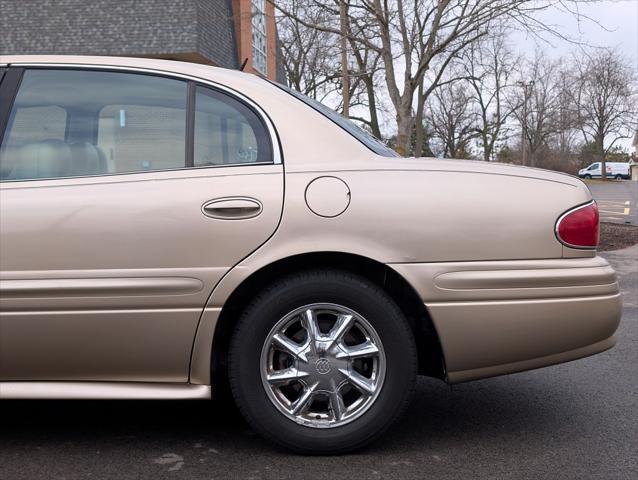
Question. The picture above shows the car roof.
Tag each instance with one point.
(174, 66)
(283, 110)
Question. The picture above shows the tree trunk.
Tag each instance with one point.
(372, 106)
(600, 147)
(418, 123)
(345, 77)
(404, 131)
(487, 147)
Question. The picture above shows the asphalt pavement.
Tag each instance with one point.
(578, 420)
(617, 200)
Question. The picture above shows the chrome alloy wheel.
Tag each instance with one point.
(323, 365)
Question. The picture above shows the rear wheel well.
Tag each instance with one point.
(430, 356)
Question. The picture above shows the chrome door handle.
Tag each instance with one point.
(232, 208)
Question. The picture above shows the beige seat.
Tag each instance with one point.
(8, 161)
(87, 159)
(45, 159)
(52, 159)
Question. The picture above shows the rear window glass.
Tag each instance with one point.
(373, 143)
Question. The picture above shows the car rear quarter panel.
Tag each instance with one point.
(410, 217)
(427, 216)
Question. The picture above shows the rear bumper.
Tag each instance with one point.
(494, 318)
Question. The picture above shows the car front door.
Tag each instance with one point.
(125, 197)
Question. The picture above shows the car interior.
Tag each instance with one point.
(105, 123)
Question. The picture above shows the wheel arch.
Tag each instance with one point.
(430, 355)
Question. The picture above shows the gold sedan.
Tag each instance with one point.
(167, 229)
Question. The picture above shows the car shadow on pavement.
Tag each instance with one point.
(438, 414)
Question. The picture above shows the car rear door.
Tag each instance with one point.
(125, 197)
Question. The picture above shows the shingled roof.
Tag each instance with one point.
(195, 30)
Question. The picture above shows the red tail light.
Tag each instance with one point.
(579, 227)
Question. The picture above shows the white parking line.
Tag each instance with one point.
(611, 205)
(614, 212)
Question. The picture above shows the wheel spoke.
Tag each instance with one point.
(289, 346)
(304, 400)
(337, 406)
(363, 384)
(310, 323)
(341, 326)
(316, 377)
(285, 376)
(366, 349)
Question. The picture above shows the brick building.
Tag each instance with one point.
(216, 32)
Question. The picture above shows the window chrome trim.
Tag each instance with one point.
(138, 172)
(274, 138)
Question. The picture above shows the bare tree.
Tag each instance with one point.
(345, 71)
(606, 99)
(413, 37)
(421, 33)
(567, 114)
(309, 55)
(311, 58)
(366, 74)
(538, 104)
(452, 119)
(489, 68)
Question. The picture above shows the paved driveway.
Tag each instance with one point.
(617, 200)
(573, 421)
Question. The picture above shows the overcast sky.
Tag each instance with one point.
(618, 28)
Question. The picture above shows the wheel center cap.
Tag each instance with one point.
(322, 365)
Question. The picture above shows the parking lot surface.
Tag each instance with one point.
(573, 421)
(617, 200)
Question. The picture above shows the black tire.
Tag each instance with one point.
(587, 176)
(322, 286)
(619, 177)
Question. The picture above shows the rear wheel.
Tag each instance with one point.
(619, 177)
(322, 362)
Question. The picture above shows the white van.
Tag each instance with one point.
(615, 170)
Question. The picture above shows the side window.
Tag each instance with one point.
(142, 137)
(227, 132)
(67, 123)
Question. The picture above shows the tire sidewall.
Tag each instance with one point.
(359, 296)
